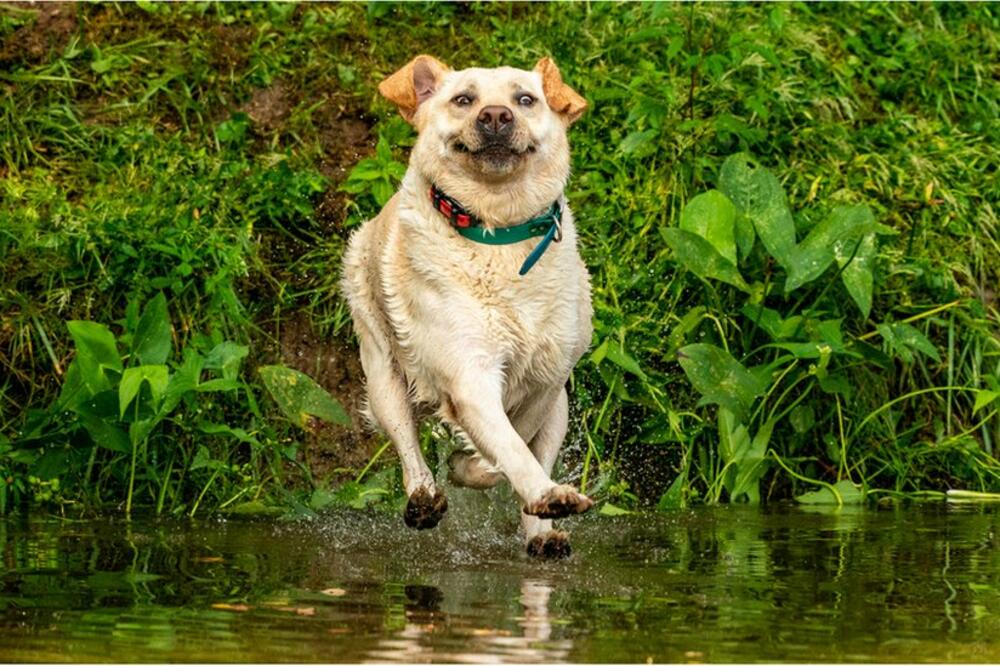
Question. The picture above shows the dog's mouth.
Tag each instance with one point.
(494, 151)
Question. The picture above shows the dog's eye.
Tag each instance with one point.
(525, 100)
(462, 100)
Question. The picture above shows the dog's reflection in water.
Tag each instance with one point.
(431, 634)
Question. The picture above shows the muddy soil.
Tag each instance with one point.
(337, 368)
(330, 451)
(55, 23)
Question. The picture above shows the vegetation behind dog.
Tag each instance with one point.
(178, 181)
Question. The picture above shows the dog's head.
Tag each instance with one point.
(486, 125)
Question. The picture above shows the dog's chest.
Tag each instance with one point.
(474, 303)
(532, 322)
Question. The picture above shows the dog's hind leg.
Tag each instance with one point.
(468, 469)
(546, 440)
(389, 403)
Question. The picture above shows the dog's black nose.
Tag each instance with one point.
(495, 120)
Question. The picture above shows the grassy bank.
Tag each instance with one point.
(210, 153)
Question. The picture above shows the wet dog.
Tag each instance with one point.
(467, 291)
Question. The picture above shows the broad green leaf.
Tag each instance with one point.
(903, 339)
(105, 435)
(151, 343)
(673, 498)
(103, 405)
(752, 465)
(813, 256)
(913, 338)
(771, 321)
(321, 498)
(701, 258)
(802, 418)
(835, 383)
(226, 356)
(299, 397)
(52, 464)
(220, 384)
(744, 235)
(73, 391)
(182, 381)
(616, 353)
(600, 352)
(801, 349)
(203, 459)
(637, 140)
(734, 439)
(711, 215)
(984, 398)
(210, 428)
(849, 494)
(759, 198)
(96, 351)
(828, 331)
(367, 170)
(382, 191)
(856, 272)
(157, 376)
(720, 378)
(609, 509)
(383, 151)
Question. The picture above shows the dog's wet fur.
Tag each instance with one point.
(447, 323)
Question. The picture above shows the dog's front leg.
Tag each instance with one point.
(476, 404)
(544, 422)
(390, 405)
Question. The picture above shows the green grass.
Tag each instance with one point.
(204, 150)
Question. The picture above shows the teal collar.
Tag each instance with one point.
(547, 225)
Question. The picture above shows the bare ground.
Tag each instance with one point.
(329, 449)
(55, 23)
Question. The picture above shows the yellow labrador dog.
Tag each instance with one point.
(467, 291)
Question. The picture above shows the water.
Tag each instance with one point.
(714, 584)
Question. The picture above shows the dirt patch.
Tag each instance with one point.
(268, 108)
(54, 24)
(344, 133)
(346, 138)
(336, 368)
(229, 49)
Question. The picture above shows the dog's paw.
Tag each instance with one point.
(559, 502)
(469, 470)
(423, 510)
(552, 545)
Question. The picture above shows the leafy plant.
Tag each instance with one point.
(376, 176)
(120, 396)
(804, 347)
(198, 150)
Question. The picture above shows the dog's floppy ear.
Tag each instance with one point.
(561, 98)
(413, 84)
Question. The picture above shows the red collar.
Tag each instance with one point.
(456, 214)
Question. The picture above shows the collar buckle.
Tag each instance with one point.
(557, 220)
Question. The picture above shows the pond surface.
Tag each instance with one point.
(713, 584)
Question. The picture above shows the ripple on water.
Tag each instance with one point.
(713, 584)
